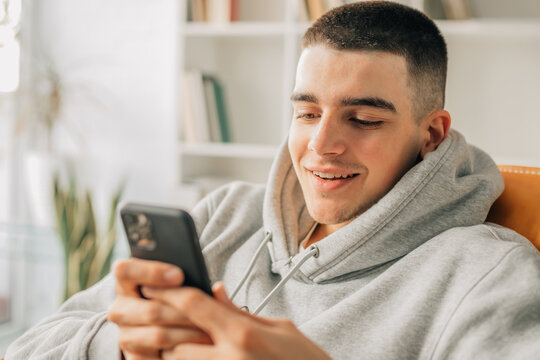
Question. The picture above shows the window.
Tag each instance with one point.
(10, 15)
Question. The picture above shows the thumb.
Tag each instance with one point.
(220, 294)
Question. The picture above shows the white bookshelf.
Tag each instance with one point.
(240, 29)
(246, 151)
(491, 27)
(255, 59)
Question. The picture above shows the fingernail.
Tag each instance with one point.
(173, 275)
(147, 290)
(217, 285)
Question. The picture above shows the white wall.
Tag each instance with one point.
(493, 91)
(118, 59)
(6, 129)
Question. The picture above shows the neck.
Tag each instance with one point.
(322, 231)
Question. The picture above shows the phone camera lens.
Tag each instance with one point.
(142, 219)
(139, 231)
(130, 219)
(134, 236)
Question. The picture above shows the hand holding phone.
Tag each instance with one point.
(167, 235)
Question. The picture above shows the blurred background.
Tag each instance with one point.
(162, 101)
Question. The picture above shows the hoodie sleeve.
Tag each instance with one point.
(79, 330)
(499, 318)
(223, 204)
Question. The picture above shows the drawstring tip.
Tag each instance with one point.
(315, 250)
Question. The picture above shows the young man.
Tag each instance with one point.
(368, 241)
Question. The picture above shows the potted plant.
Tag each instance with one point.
(88, 252)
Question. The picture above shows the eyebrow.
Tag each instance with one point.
(375, 102)
(369, 101)
(304, 97)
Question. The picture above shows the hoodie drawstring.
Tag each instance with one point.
(312, 251)
(267, 237)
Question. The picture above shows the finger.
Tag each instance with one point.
(193, 352)
(129, 311)
(133, 271)
(138, 356)
(123, 288)
(148, 272)
(220, 294)
(203, 311)
(149, 339)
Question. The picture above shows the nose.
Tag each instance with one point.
(327, 138)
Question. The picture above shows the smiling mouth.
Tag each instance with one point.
(332, 177)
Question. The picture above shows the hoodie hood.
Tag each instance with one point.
(452, 186)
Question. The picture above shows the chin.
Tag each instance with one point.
(328, 214)
(331, 213)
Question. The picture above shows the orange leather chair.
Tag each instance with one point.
(518, 208)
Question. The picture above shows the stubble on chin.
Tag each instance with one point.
(340, 214)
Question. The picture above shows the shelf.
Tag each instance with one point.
(235, 29)
(490, 27)
(475, 27)
(256, 58)
(229, 150)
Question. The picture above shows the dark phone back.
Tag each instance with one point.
(167, 235)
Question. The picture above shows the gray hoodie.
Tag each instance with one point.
(417, 276)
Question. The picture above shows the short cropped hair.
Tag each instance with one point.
(393, 28)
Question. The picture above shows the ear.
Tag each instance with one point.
(436, 126)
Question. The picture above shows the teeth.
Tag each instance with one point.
(330, 176)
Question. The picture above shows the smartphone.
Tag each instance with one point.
(167, 235)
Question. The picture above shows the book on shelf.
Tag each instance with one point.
(303, 15)
(218, 101)
(315, 9)
(213, 11)
(211, 109)
(200, 114)
(311, 10)
(330, 4)
(189, 133)
(457, 9)
(204, 116)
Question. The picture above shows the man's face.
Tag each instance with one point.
(352, 136)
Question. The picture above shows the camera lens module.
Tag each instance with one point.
(142, 219)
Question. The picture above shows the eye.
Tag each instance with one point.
(367, 124)
(307, 116)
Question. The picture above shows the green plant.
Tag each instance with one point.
(87, 252)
